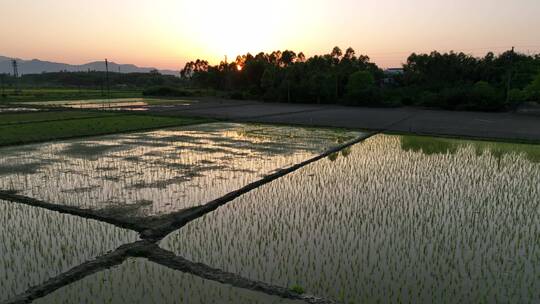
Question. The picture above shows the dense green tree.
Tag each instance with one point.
(361, 88)
(484, 96)
(446, 80)
(533, 90)
(336, 53)
(287, 58)
(94, 79)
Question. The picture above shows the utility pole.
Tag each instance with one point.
(107, 78)
(2, 84)
(337, 87)
(509, 80)
(228, 80)
(16, 75)
(288, 90)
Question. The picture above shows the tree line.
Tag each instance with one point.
(445, 80)
(92, 79)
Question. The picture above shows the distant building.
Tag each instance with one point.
(394, 71)
(390, 74)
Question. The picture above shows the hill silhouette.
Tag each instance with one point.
(36, 66)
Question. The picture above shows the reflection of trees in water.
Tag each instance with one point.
(434, 145)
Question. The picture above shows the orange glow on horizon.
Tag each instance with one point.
(167, 33)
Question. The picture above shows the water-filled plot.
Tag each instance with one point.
(37, 244)
(140, 281)
(16, 109)
(123, 104)
(93, 103)
(393, 219)
(161, 171)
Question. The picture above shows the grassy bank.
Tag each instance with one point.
(33, 117)
(38, 127)
(430, 145)
(63, 94)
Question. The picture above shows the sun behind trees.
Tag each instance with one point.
(444, 80)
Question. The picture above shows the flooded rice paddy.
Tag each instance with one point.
(392, 219)
(9, 109)
(161, 171)
(36, 245)
(140, 281)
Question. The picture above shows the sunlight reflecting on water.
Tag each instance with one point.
(161, 171)
(385, 222)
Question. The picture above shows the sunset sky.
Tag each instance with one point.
(167, 33)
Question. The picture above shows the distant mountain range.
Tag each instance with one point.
(36, 66)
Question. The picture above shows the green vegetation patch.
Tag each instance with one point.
(61, 129)
(438, 145)
(45, 94)
(298, 289)
(7, 119)
(166, 92)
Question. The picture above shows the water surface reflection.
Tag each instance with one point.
(387, 224)
(161, 171)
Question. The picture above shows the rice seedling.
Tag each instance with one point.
(140, 281)
(298, 289)
(37, 244)
(172, 168)
(382, 223)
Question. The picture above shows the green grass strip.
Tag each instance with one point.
(64, 129)
(15, 118)
(63, 94)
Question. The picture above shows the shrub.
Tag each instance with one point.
(407, 100)
(392, 96)
(429, 99)
(237, 96)
(484, 97)
(454, 98)
(533, 90)
(517, 95)
(298, 289)
(166, 92)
